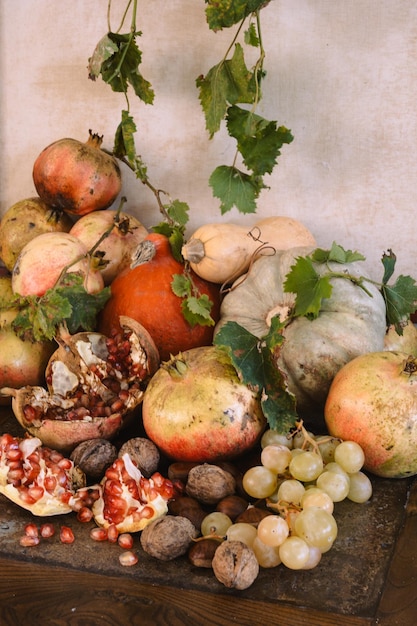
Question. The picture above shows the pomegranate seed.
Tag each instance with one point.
(36, 492)
(47, 530)
(112, 533)
(98, 534)
(31, 530)
(65, 464)
(30, 413)
(50, 483)
(128, 558)
(14, 454)
(15, 475)
(84, 514)
(27, 541)
(66, 535)
(25, 496)
(125, 541)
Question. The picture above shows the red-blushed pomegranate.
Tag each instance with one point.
(25, 220)
(21, 362)
(195, 408)
(94, 383)
(37, 478)
(44, 258)
(144, 292)
(128, 500)
(77, 177)
(118, 246)
(373, 401)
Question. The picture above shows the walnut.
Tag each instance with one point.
(235, 564)
(144, 452)
(168, 537)
(209, 483)
(94, 456)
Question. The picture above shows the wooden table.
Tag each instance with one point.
(368, 577)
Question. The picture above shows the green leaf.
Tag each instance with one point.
(259, 141)
(388, 261)
(39, 317)
(124, 141)
(224, 13)
(255, 362)
(251, 36)
(181, 285)
(400, 301)
(226, 83)
(121, 69)
(235, 188)
(197, 310)
(104, 50)
(178, 212)
(337, 254)
(309, 287)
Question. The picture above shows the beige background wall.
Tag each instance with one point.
(342, 75)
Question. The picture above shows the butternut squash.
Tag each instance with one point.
(221, 252)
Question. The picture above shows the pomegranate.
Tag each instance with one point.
(373, 401)
(128, 500)
(94, 383)
(44, 258)
(25, 220)
(117, 248)
(37, 478)
(144, 292)
(21, 362)
(195, 408)
(77, 177)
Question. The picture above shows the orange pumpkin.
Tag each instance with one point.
(144, 293)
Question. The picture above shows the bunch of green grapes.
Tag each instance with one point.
(300, 477)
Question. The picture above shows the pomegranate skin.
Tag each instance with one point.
(373, 401)
(195, 408)
(77, 177)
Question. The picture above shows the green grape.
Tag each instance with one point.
(317, 527)
(306, 467)
(294, 552)
(350, 456)
(241, 531)
(336, 468)
(273, 530)
(314, 558)
(299, 440)
(267, 556)
(276, 458)
(259, 482)
(272, 436)
(215, 523)
(327, 446)
(314, 496)
(335, 484)
(291, 490)
(360, 489)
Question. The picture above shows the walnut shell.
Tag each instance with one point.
(168, 537)
(235, 564)
(144, 452)
(94, 456)
(209, 483)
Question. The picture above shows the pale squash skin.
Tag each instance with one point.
(350, 323)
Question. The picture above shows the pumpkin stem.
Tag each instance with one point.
(144, 253)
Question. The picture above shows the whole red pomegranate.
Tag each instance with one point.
(144, 292)
(77, 177)
(195, 408)
(373, 401)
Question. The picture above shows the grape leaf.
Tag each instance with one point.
(251, 36)
(39, 316)
(235, 188)
(255, 362)
(196, 308)
(226, 83)
(178, 212)
(310, 288)
(124, 141)
(337, 254)
(224, 13)
(259, 141)
(104, 50)
(388, 261)
(121, 69)
(400, 301)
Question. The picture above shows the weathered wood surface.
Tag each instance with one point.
(368, 577)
